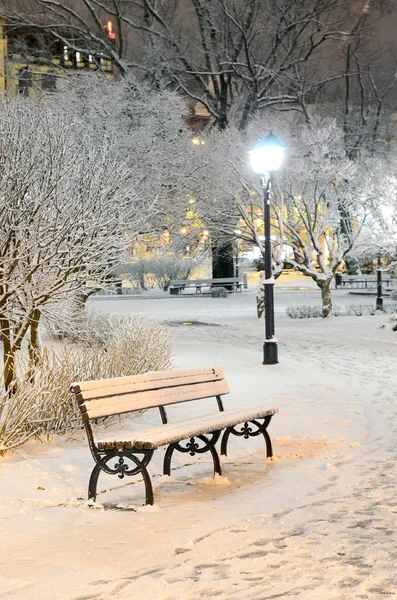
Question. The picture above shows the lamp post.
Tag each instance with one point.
(266, 157)
(379, 298)
(236, 270)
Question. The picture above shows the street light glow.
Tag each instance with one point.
(267, 155)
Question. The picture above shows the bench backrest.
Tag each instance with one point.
(105, 397)
(365, 277)
(207, 281)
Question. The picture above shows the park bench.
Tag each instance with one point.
(234, 283)
(130, 455)
(362, 281)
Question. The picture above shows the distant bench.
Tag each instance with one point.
(362, 281)
(130, 454)
(236, 283)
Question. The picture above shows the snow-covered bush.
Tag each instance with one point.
(358, 310)
(42, 404)
(303, 312)
(17, 415)
(164, 268)
(392, 322)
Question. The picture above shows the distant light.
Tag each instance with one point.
(196, 141)
(109, 30)
(267, 155)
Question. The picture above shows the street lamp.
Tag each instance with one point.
(237, 232)
(379, 298)
(266, 157)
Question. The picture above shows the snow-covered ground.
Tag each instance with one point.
(318, 521)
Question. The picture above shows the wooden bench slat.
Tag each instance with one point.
(152, 398)
(153, 437)
(212, 422)
(130, 385)
(160, 378)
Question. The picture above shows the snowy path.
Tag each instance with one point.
(317, 522)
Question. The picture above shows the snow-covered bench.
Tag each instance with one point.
(177, 286)
(363, 281)
(131, 454)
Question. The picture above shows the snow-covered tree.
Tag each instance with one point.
(234, 58)
(80, 180)
(323, 202)
(63, 203)
(326, 202)
(152, 137)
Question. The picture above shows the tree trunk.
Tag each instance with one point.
(326, 298)
(346, 228)
(80, 300)
(223, 261)
(9, 366)
(34, 342)
(352, 265)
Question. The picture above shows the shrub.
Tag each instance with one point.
(71, 323)
(307, 312)
(17, 415)
(392, 322)
(304, 312)
(160, 270)
(43, 405)
(219, 292)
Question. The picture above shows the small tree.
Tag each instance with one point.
(61, 211)
(321, 199)
(325, 201)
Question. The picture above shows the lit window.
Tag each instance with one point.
(65, 53)
(79, 57)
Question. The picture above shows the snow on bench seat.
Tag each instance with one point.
(162, 435)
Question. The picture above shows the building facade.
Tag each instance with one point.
(31, 63)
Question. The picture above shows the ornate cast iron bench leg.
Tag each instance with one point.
(122, 468)
(247, 432)
(192, 447)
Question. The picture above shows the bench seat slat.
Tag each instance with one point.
(154, 437)
(151, 398)
(106, 387)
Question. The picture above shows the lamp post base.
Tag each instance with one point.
(270, 353)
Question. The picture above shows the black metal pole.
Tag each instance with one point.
(270, 350)
(379, 299)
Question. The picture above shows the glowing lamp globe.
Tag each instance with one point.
(267, 155)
